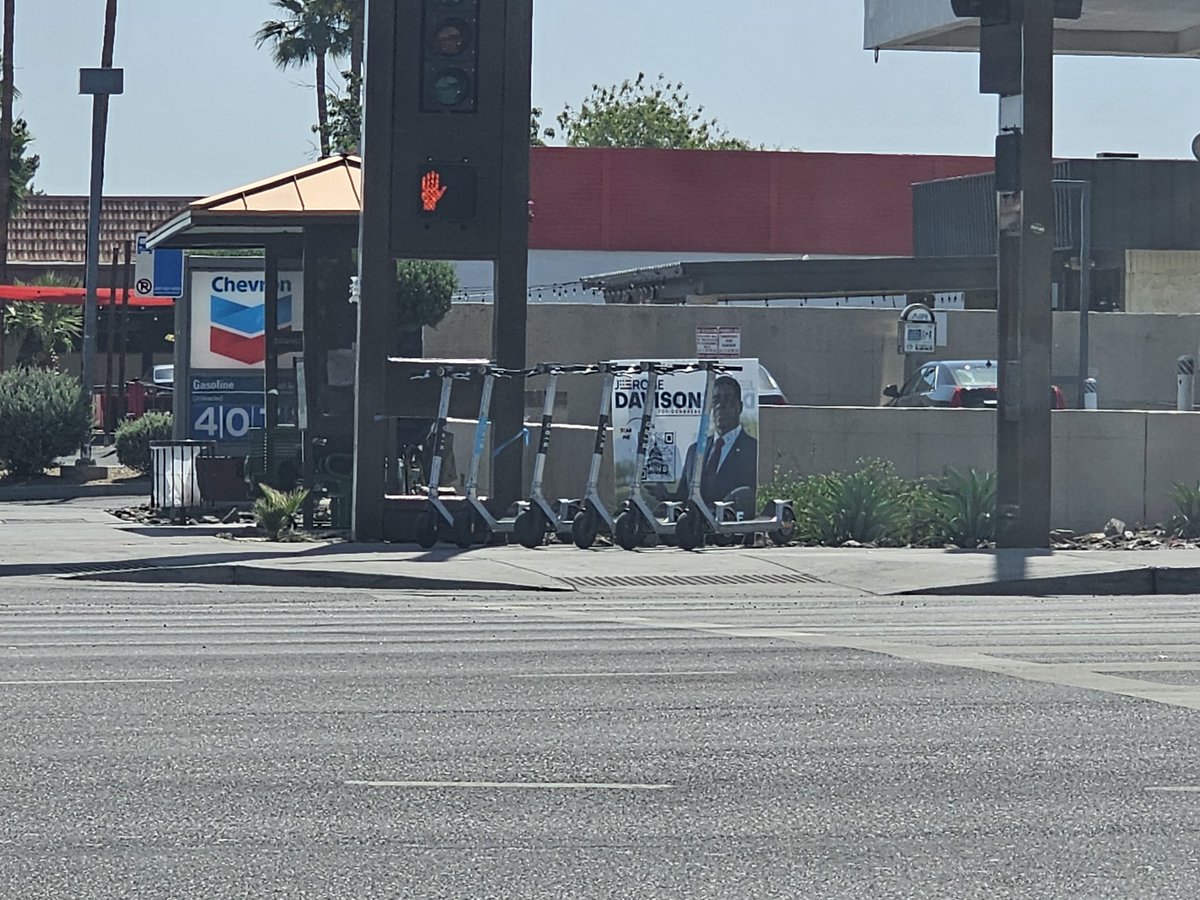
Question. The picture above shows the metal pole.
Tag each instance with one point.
(376, 273)
(124, 342)
(110, 322)
(95, 199)
(509, 323)
(1023, 428)
(1085, 288)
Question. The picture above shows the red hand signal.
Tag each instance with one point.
(432, 191)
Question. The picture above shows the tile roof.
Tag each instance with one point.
(53, 228)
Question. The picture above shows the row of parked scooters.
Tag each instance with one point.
(686, 524)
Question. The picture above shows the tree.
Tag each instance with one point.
(641, 114)
(22, 166)
(44, 330)
(312, 31)
(424, 289)
(344, 129)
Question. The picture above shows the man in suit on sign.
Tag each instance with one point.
(730, 456)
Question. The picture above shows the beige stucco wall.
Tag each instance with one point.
(1162, 281)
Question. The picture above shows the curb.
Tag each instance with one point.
(262, 576)
(15, 493)
(1143, 581)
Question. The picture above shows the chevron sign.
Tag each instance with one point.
(228, 317)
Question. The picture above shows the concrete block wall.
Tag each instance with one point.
(828, 357)
(1105, 463)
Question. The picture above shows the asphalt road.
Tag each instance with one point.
(240, 744)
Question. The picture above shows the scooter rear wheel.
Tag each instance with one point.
(627, 530)
(584, 528)
(689, 533)
(425, 532)
(786, 529)
(529, 529)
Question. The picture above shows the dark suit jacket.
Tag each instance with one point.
(740, 469)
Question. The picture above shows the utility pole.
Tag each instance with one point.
(1016, 62)
(100, 83)
(6, 127)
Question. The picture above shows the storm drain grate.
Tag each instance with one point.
(80, 568)
(635, 581)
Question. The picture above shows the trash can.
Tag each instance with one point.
(174, 483)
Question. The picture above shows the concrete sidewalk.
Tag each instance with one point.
(79, 538)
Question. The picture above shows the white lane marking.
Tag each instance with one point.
(535, 785)
(1180, 789)
(91, 681)
(659, 674)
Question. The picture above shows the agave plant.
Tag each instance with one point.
(275, 511)
(867, 506)
(965, 507)
(1186, 522)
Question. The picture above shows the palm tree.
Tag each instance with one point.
(311, 31)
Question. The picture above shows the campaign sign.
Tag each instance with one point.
(229, 317)
(729, 446)
(224, 407)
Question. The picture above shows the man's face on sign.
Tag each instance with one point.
(727, 406)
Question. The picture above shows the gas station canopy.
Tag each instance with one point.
(1107, 28)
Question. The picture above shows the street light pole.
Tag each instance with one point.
(100, 83)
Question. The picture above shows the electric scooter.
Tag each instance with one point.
(436, 519)
(637, 520)
(540, 518)
(590, 515)
(475, 522)
(721, 519)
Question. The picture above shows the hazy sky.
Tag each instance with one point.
(204, 111)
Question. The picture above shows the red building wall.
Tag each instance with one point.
(853, 204)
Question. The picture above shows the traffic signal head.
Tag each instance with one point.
(447, 192)
(450, 56)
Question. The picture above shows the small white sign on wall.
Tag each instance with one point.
(718, 341)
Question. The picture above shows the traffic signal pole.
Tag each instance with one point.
(511, 278)
(1025, 251)
(445, 177)
(376, 273)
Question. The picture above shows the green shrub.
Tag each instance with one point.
(871, 505)
(965, 508)
(43, 415)
(275, 511)
(1186, 522)
(133, 439)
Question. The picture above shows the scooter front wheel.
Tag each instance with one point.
(425, 532)
(529, 529)
(464, 529)
(584, 528)
(627, 530)
(689, 533)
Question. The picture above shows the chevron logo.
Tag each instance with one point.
(238, 331)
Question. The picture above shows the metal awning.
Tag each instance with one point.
(1166, 28)
(327, 192)
(796, 279)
